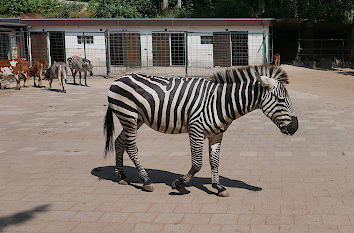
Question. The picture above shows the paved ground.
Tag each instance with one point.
(53, 177)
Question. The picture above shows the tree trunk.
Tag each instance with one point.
(164, 4)
(179, 3)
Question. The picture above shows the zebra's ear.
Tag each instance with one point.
(266, 82)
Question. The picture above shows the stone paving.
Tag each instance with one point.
(53, 177)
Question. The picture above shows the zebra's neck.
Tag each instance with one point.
(229, 101)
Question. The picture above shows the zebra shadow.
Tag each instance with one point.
(165, 177)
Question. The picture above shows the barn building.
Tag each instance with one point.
(163, 46)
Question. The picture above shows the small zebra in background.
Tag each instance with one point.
(79, 64)
(197, 106)
(57, 70)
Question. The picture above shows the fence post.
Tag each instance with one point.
(84, 39)
(22, 44)
(108, 54)
(186, 52)
(264, 47)
(29, 47)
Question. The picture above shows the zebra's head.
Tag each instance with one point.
(276, 104)
(89, 66)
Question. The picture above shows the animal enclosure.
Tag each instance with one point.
(163, 53)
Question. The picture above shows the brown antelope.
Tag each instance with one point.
(277, 59)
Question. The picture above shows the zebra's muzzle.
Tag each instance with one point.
(291, 128)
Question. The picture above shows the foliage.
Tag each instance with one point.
(114, 9)
(47, 8)
(333, 11)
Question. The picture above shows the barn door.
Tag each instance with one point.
(132, 49)
(221, 49)
(160, 49)
(57, 46)
(39, 46)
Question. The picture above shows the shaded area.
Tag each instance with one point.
(351, 73)
(165, 177)
(21, 217)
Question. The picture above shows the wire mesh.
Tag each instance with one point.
(314, 49)
(239, 44)
(124, 51)
(13, 45)
(57, 46)
(39, 49)
(159, 53)
(89, 45)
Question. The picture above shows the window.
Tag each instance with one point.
(85, 39)
(206, 39)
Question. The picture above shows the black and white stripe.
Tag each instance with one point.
(203, 108)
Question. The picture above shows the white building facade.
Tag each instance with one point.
(163, 46)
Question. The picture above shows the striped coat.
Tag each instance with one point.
(203, 108)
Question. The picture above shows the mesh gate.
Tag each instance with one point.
(124, 52)
(57, 46)
(13, 45)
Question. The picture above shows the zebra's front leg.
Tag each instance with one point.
(214, 156)
(80, 77)
(132, 150)
(196, 142)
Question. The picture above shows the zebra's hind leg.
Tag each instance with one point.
(119, 148)
(130, 128)
(214, 156)
(196, 141)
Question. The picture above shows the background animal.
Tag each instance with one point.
(14, 69)
(57, 70)
(277, 59)
(79, 64)
(37, 70)
(197, 106)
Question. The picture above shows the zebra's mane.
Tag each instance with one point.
(234, 75)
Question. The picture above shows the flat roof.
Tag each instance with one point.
(143, 22)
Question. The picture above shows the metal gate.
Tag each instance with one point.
(13, 45)
(57, 46)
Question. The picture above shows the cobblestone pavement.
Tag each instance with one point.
(53, 177)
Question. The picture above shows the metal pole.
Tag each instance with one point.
(108, 54)
(84, 38)
(29, 46)
(186, 52)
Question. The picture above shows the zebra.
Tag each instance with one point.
(200, 107)
(79, 64)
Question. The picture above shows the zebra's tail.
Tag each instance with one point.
(108, 130)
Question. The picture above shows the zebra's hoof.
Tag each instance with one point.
(176, 184)
(148, 188)
(224, 194)
(123, 182)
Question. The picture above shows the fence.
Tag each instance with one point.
(314, 49)
(184, 53)
(13, 45)
(177, 53)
